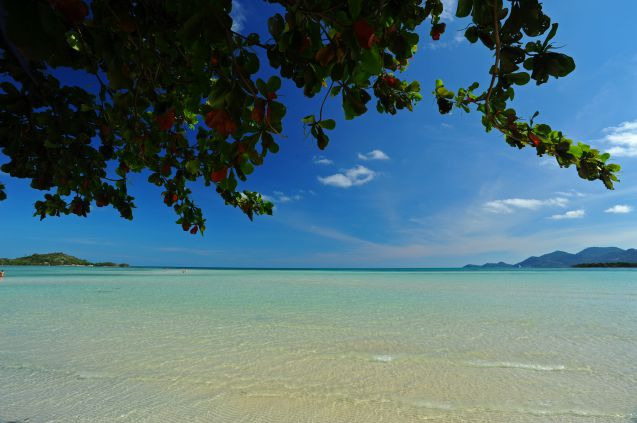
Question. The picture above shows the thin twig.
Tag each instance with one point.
(114, 180)
(329, 90)
(235, 66)
(496, 66)
(246, 38)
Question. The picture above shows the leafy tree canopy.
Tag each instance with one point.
(179, 98)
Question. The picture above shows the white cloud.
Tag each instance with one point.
(508, 205)
(238, 16)
(449, 9)
(548, 162)
(279, 197)
(459, 37)
(573, 214)
(373, 155)
(356, 176)
(282, 198)
(619, 209)
(570, 193)
(322, 160)
(623, 138)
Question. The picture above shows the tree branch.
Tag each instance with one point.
(496, 66)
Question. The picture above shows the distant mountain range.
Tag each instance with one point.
(54, 259)
(597, 255)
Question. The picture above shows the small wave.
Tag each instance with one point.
(433, 405)
(383, 358)
(91, 375)
(441, 406)
(512, 365)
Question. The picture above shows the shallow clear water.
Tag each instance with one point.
(155, 345)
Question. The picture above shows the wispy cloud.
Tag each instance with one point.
(373, 155)
(570, 193)
(356, 176)
(619, 209)
(572, 214)
(449, 9)
(282, 198)
(508, 205)
(238, 16)
(322, 160)
(623, 138)
(459, 37)
(279, 197)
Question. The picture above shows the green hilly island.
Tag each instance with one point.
(54, 259)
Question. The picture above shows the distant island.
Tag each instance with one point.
(589, 257)
(55, 259)
(619, 264)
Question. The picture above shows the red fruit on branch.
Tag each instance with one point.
(534, 139)
(194, 229)
(391, 81)
(258, 111)
(221, 121)
(166, 120)
(364, 33)
(437, 30)
(240, 148)
(128, 26)
(74, 11)
(271, 96)
(219, 175)
(229, 128)
(101, 201)
(105, 131)
(305, 44)
(185, 226)
(214, 60)
(77, 207)
(165, 169)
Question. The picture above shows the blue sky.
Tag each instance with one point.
(413, 190)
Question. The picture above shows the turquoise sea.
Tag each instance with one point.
(166, 345)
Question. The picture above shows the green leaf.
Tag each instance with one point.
(309, 119)
(370, 60)
(274, 83)
(262, 87)
(551, 34)
(322, 139)
(575, 151)
(276, 25)
(354, 7)
(328, 124)
(464, 8)
(247, 167)
(471, 34)
(192, 166)
(519, 78)
(73, 39)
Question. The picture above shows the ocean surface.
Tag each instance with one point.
(160, 345)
